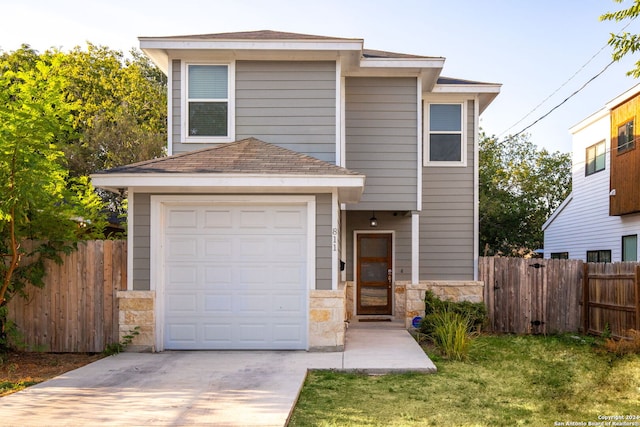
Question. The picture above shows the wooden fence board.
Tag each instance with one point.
(77, 310)
(550, 296)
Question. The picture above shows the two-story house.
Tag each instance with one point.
(600, 220)
(308, 181)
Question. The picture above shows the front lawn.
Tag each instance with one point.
(507, 381)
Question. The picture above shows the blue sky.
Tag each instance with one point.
(532, 47)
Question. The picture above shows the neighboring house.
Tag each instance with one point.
(600, 220)
(309, 180)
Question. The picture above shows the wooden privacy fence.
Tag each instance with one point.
(77, 310)
(548, 296)
(525, 296)
(611, 298)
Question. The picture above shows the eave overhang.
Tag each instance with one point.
(486, 92)
(348, 187)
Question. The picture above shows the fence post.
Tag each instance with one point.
(585, 298)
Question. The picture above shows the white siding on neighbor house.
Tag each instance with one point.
(447, 220)
(382, 140)
(584, 224)
(290, 104)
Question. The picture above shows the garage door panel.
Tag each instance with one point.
(220, 246)
(257, 247)
(290, 219)
(236, 277)
(181, 303)
(217, 219)
(218, 276)
(182, 247)
(218, 303)
(182, 219)
(181, 275)
(253, 218)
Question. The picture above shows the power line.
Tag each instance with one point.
(568, 97)
(564, 84)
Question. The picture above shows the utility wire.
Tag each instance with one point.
(568, 97)
(564, 84)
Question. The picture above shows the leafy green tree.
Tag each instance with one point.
(625, 43)
(520, 186)
(42, 211)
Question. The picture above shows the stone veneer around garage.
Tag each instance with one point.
(137, 309)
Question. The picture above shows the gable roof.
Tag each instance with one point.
(247, 156)
(255, 35)
(249, 166)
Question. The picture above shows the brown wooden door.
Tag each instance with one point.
(375, 273)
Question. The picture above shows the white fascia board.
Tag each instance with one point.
(349, 188)
(199, 44)
(623, 97)
(467, 88)
(417, 63)
(589, 120)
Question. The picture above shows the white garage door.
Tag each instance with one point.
(235, 277)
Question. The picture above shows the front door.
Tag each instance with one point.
(374, 273)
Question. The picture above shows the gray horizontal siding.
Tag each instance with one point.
(323, 242)
(291, 104)
(381, 140)
(141, 242)
(446, 221)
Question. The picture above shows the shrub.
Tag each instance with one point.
(628, 345)
(450, 332)
(474, 312)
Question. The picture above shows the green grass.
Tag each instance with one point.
(507, 381)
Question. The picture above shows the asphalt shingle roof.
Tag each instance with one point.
(247, 156)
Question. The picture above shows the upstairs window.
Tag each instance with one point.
(445, 146)
(208, 109)
(626, 139)
(595, 159)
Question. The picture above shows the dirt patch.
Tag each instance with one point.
(19, 370)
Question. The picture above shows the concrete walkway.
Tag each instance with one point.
(257, 388)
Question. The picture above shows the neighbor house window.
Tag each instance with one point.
(445, 144)
(599, 256)
(626, 139)
(208, 102)
(630, 248)
(595, 158)
(559, 255)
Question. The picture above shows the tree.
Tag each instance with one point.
(625, 43)
(520, 186)
(39, 202)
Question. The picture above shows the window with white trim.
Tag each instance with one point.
(208, 102)
(445, 134)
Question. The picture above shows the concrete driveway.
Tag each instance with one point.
(201, 387)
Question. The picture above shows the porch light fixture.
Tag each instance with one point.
(373, 221)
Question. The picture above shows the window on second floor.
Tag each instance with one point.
(630, 248)
(599, 256)
(595, 158)
(208, 108)
(445, 135)
(626, 139)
